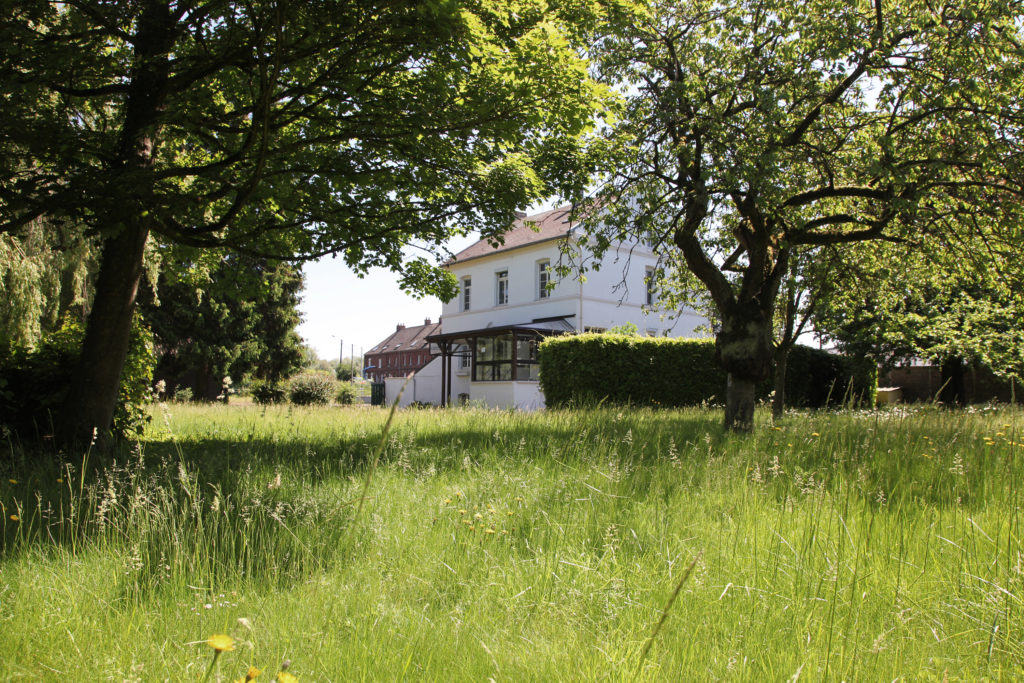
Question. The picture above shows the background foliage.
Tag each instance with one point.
(34, 381)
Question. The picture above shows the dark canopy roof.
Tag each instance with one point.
(544, 327)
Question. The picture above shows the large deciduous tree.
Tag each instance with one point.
(278, 128)
(756, 128)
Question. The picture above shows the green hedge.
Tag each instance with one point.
(624, 369)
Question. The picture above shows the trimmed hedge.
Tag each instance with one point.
(625, 369)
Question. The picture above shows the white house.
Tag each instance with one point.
(510, 298)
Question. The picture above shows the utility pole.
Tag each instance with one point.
(341, 350)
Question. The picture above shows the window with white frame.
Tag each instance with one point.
(543, 277)
(501, 287)
(649, 282)
(467, 286)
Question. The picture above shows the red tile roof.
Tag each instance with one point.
(407, 338)
(527, 230)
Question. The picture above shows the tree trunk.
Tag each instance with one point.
(96, 380)
(779, 399)
(745, 351)
(739, 404)
(954, 382)
(92, 396)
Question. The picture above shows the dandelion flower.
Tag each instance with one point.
(489, 531)
(15, 518)
(252, 673)
(285, 677)
(221, 642)
(478, 516)
(815, 434)
(13, 481)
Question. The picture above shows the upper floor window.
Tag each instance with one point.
(501, 281)
(649, 282)
(467, 285)
(543, 277)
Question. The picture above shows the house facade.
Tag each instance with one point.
(403, 352)
(511, 297)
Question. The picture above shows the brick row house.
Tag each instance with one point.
(405, 351)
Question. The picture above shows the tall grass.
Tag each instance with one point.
(850, 546)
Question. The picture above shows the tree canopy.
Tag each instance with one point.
(285, 129)
(754, 129)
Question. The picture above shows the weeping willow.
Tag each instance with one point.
(46, 272)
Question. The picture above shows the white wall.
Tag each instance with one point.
(610, 296)
(523, 305)
(424, 386)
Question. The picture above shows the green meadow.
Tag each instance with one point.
(473, 545)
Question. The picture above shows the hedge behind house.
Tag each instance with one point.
(621, 369)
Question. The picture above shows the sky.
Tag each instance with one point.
(338, 307)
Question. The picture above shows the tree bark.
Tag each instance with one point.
(92, 397)
(954, 382)
(739, 404)
(781, 366)
(744, 349)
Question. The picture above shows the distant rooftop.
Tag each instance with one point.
(526, 230)
(408, 338)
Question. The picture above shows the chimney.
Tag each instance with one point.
(399, 326)
(426, 321)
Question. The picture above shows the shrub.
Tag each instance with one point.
(311, 388)
(183, 395)
(346, 394)
(34, 381)
(621, 369)
(265, 392)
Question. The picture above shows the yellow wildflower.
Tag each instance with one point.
(489, 531)
(1000, 434)
(285, 677)
(252, 673)
(462, 512)
(15, 518)
(815, 434)
(478, 516)
(221, 642)
(13, 481)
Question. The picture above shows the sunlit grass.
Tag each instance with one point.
(856, 546)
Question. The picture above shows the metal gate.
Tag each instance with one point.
(377, 394)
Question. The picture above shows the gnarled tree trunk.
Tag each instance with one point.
(744, 349)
